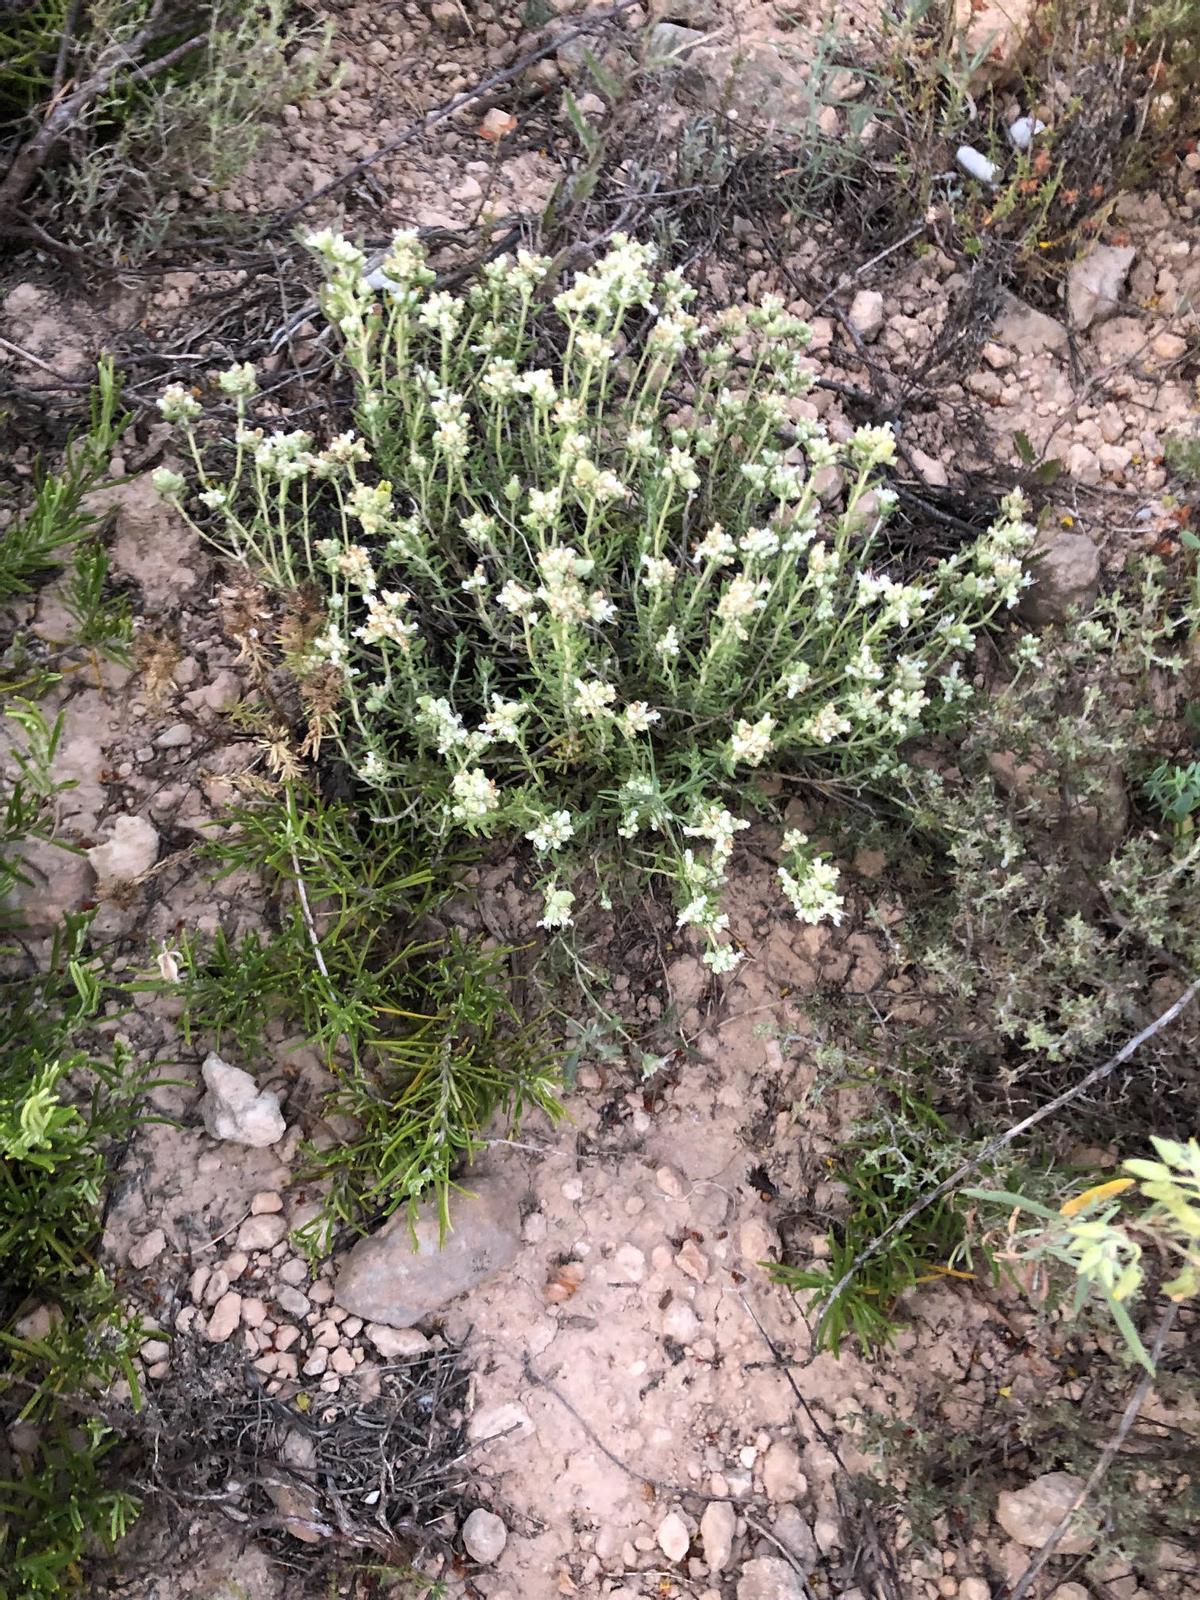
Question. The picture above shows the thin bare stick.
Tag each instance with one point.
(885, 1574)
(306, 913)
(64, 50)
(679, 1490)
(1128, 1417)
(496, 80)
(36, 361)
(765, 1532)
(882, 255)
(994, 1146)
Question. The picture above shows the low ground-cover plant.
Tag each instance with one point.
(1046, 914)
(64, 1108)
(887, 1162)
(576, 583)
(43, 535)
(1101, 1235)
(414, 1020)
(113, 110)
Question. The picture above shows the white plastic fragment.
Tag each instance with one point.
(976, 165)
(1024, 131)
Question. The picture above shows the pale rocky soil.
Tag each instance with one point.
(634, 1433)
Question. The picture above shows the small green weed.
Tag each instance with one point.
(416, 1025)
(41, 538)
(892, 1160)
(1174, 790)
(57, 1136)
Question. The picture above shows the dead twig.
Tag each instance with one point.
(306, 912)
(772, 1538)
(885, 1568)
(994, 1146)
(36, 361)
(116, 58)
(873, 261)
(679, 1490)
(1128, 1417)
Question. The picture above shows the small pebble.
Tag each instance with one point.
(261, 1232)
(148, 1249)
(484, 1537)
(254, 1312)
(226, 1315)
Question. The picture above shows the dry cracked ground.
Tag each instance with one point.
(644, 1416)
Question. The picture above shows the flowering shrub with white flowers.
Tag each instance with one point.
(576, 579)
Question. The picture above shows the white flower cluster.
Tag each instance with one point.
(578, 580)
(810, 886)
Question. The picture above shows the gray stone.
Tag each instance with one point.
(291, 1300)
(866, 314)
(261, 1232)
(59, 880)
(236, 1109)
(669, 44)
(396, 1343)
(755, 81)
(717, 1528)
(129, 852)
(148, 1249)
(1030, 1515)
(674, 1537)
(1095, 284)
(484, 1537)
(502, 1422)
(681, 1323)
(993, 39)
(769, 1578)
(226, 1315)
(1066, 576)
(782, 1478)
(793, 1531)
(976, 1589)
(1027, 331)
(386, 1279)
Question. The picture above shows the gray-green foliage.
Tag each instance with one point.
(186, 110)
(1064, 903)
(1045, 913)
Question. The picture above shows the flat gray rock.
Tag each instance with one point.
(385, 1280)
